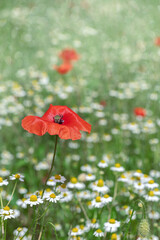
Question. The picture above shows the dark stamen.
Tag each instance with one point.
(58, 119)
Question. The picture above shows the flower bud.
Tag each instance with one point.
(144, 228)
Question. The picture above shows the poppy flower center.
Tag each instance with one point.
(58, 119)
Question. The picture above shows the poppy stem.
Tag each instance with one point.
(50, 171)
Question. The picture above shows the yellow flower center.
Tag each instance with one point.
(50, 180)
(139, 171)
(53, 195)
(74, 180)
(151, 182)
(123, 176)
(89, 174)
(89, 203)
(40, 192)
(19, 229)
(139, 184)
(106, 196)
(93, 220)
(33, 198)
(114, 236)
(63, 186)
(81, 227)
(57, 177)
(145, 176)
(65, 194)
(117, 165)
(23, 199)
(100, 183)
(102, 161)
(17, 176)
(75, 230)
(98, 231)
(6, 208)
(1, 179)
(151, 193)
(125, 207)
(112, 221)
(48, 190)
(156, 190)
(98, 199)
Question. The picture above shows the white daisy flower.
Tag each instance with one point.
(7, 213)
(117, 168)
(98, 233)
(102, 164)
(154, 215)
(99, 186)
(90, 177)
(20, 231)
(156, 191)
(115, 236)
(53, 198)
(75, 232)
(138, 186)
(17, 176)
(4, 172)
(111, 225)
(22, 190)
(123, 178)
(151, 197)
(151, 184)
(93, 223)
(62, 188)
(86, 168)
(97, 203)
(21, 203)
(3, 182)
(75, 184)
(51, 182)
(33, 201)
(138, 173)
(106, 199)
(58, 178)
(66, 196)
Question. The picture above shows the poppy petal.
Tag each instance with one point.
(34, 125)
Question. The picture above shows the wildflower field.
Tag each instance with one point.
(79, 120)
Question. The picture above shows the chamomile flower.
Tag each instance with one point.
(3, 182)
(117, 168)
(4, 172)
(93, 223)
(53, 198)
(115, 236)
(22, 190)
(156, 191)
(7, 213)
(102, 164)
(151, 197)
(154, 215)
(97, 202)
(75, 232)
(90, 177)
(20, 231)
(47, 193)
(51, 182)
(33, 201)
(17, 176)
(62, 188)
(106, 199)
(59, 179)
(21, 203)
(98, 233)
(74, 184)
(123, 178)
(66, 196)
(99, 186)
(112, 225)
(86, 168)
(138, 173)
(151, 184)
(138, 186)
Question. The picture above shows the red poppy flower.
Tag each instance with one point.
(157, 41)
(63, 68)
(58, 120)
(69, 55)
(140, 112)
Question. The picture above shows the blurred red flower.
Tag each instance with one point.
(157, 41)
(69, 55)
(140, 112)
(63, 68)
(58, 120)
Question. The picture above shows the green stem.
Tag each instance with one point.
(2, 217)
(55, 148)
(12, 193)
(49, 174)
